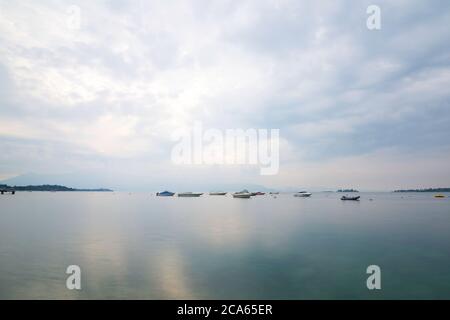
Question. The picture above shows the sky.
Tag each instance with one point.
(94, 101)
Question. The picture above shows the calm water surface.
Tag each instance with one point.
(141, 246)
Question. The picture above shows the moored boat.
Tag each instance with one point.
(350, 198)
(302, 194)
(6, 191)
(259, 193)
(439, 196)
(244, 194)
(189, 194)
(165, 194)
(217, 193)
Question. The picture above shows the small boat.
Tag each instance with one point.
(302, 194)
(189, 194)
(244, 194)
(12, 191)
(259, 193)
(165, 194)
(350, 198)
(217, 193)
(439, 196)
(274, 192)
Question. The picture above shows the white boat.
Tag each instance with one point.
(244, 194)
(217, 193)
(302, 194)
(189, 194)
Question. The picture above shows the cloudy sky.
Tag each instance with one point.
(95, 103)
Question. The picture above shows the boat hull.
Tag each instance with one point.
(242, 195)
(302, 195)
(350, 198)
(165, 194)
(189, 195)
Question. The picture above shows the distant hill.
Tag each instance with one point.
(48, 187)
(425, 190)
(125, 183)
(34, 179)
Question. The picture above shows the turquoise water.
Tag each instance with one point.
(145, 247)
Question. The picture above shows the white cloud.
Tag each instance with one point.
(134, 72)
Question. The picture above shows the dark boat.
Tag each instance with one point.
(350, 198)
(6, 191)
(165, 194)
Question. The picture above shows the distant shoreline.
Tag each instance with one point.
(60, 188)
(48, 187)
(425, 190)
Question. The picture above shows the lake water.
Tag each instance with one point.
(145, 247)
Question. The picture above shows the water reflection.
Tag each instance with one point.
(142, 247)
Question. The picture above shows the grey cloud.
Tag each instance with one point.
(312, 69)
